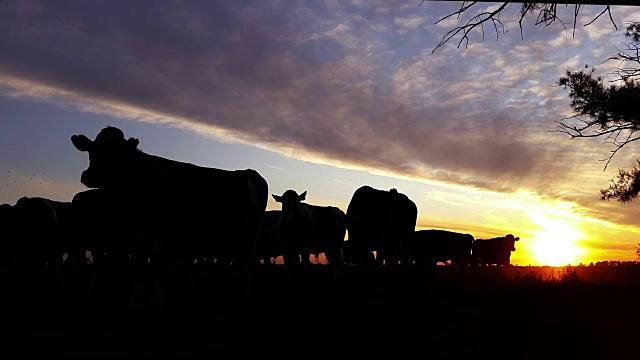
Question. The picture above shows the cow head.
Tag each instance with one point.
(512, 242)
(111, 158)
(291, 218)
(290, 201)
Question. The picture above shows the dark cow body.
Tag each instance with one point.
(105, 226)
(268, 246)
(381, 221)
(111, 231)
(433, 246)
(350, 256)
(187, 210)
(7, 237)
(306, 229)
(494, 251)
(37, 228)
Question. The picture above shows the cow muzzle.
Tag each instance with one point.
(88, 180)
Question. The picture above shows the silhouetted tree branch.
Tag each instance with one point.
(625, 187)
(474, 22)
(546, 14)
(629, 58)
(610, 110)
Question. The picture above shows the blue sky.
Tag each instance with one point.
(325, 97)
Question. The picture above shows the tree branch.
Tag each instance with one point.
(470, 25)
(607, 10)
(547, 14)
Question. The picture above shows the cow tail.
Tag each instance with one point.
(260, 192)
(261, 188)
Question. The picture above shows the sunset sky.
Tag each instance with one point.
(326, 96)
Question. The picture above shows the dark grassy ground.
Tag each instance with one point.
(515, 313)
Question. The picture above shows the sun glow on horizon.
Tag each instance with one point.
(555, 245)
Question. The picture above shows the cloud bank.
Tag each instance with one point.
(350, 82)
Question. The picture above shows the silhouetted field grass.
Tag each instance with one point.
(512, 312)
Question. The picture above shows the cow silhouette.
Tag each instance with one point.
(188, 210)
(120, 248)
(433, 246)
(381, 221)
(268, 246)
(348, 252)
(6, 237)
(495, 250)
(36, 229)
(306, 229)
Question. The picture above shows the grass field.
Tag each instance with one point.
(511, 312)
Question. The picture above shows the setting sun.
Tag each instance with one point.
(555, 245)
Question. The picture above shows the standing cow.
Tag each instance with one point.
(381, 221)
(187, 209)
(7, 236)
(494, 251)
(433, 246)
(349, 254)
(37, 228)
(268, 246)
(109, 229)
(306, 229)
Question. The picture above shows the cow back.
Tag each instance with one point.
(434, 246)
(197, 210)
(494, 251)
(330, 228)
(39, 223)
(38, 230)
(376, 216)
(314, 229)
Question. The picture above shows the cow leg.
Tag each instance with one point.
(360, 257)
(380, 255)
(142, 282)
(305, 258)
(291, 265)
(291, 260)
(407, 260)
(52, 264)
(391, 262)
(98, 266)
(305, 266)
(335, 258)
(119, 291)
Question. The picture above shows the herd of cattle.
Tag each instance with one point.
(148, 211)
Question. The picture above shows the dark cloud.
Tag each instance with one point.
(338, 84)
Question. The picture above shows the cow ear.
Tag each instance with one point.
(81, 142)
(302, 196)
(277, 198)
(133, 142)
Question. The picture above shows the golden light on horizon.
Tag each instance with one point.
(555, 245)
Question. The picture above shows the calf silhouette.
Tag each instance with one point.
(306, 229)
(494, 251)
